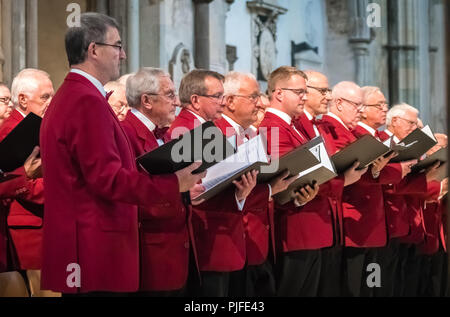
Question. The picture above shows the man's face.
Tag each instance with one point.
(262, 105)
(119, 104)
(211, 108)
(294, 95)
(164, 104)
(37, 100)
(402, 126)
(5, 102)
(350, 108)
(318, 95)
(110, 57)
(375, 110)
(246, 103)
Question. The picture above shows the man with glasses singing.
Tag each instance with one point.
(242, 103)
(92, 184)
(219, 234)
(117, 99)
(5, 103)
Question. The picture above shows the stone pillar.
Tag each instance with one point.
(202, 33)
(133, 35)
(6, 40)
(424, 60)
(32, 33)
(101, 6)
(403, 46)
(360, 39)
(18, 54)
(118, 10)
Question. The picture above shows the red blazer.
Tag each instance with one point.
(163, 231)
(92, 188)
(415, 205)
(363, 206)
(305, 126)
(25, 213)
(257, 215)
(218, 229)
(433, 216)
(297, 228)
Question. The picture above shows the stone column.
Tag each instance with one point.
(18, 34)
(403, 46)
(101, 6)
(118, 10)
(202, 33)
(424, 60)
(360, 39)
(32, 33)
(133, 35)
(6, 40)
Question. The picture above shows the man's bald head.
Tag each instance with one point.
(346, 103)
(319, 95)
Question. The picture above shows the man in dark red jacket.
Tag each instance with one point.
(242, 103)
(92, 185)
(31, 92)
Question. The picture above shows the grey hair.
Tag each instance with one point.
(25, 82)
(233, 81)
(399, 110)
(113, 85)
(146, 80)
(369, 91)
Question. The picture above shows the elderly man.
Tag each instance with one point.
(31, 91)
(406, 199)
(117, 99)
(218, 221)
(164, 231)
(328, 202)
(363, 222)
(92, 184)
(242, 104)
(5, 103)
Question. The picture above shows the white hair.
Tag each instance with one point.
(146, 80)
(369, 91)
(123, 79)
(399, 110)
(113, 85)
(233, 80)
(26, 81)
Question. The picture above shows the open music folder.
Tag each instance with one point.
(19, 143)
(205, 143)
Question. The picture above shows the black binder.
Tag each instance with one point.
(19, 143)
(365, 150)
(205, 143)
(417, 143)
(438, 156)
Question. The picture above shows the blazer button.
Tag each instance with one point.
(243, 235)
(186, 245)
(267, 227)
(139, 225)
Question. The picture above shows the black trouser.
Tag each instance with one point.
(331, 273)
(433, 274)
(388, 259)
(298, 273)
(356, 261)
(409, 270)
(253, 281)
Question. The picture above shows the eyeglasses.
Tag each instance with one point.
(380, 106)
(323, 91)
(119, 46)
(411, 123)
(170, 95)
(5, 100)
(253, 98)
(358, 106)
(298, 92)
(219, 98)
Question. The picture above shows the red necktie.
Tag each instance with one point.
(108, 94)
(160, 132)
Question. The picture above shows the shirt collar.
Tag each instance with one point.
(365, 126)
(91, 78)
(388, 132)
(234, 124)
(197, 116)
(308, 115)
(146, 121)
(338, 119)
(23, 114)
(283, 115)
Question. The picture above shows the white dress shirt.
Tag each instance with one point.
(147, 122)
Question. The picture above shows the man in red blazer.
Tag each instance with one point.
(219, 232)
(31, 91)
(296, 226)
(328, 203)
(163, 231)
(364, 224)
(242, 104)
(92, 186)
